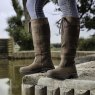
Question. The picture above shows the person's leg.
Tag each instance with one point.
(68, 8)
(35, 8)
(41, 39)
(70, 28)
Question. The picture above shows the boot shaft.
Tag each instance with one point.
(69, 40)
(70, 33)
(69, 36)
(41, 36)
(41, 41)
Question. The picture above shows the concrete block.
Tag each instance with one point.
(53, 91)
(92, 92)
(33, 78)
(28, 89)
(66, 91)
(82, 92)
(40, 90)
(69, 83)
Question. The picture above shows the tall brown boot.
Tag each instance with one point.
(41, 41)
(69, 39)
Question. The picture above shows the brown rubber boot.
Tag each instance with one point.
(41, 41)
(69, 39)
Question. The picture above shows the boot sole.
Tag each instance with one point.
(43, 70)
(72, 76)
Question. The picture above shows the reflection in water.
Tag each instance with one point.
(10, 78)
(4, 87)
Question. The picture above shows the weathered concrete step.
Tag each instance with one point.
(68, 83)
(68, 86)
(86, 71)
(45, 90)
(41, 79)
(84, 85)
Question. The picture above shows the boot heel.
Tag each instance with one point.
(73, 76)
(43, 70)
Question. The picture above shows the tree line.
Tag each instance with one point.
(18, 24)
(83, 45)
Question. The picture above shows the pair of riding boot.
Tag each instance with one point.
(70, 28)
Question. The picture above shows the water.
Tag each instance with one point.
(4, 87)
(10, 78)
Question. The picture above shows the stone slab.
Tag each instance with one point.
(85, 81)
(68, 83)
